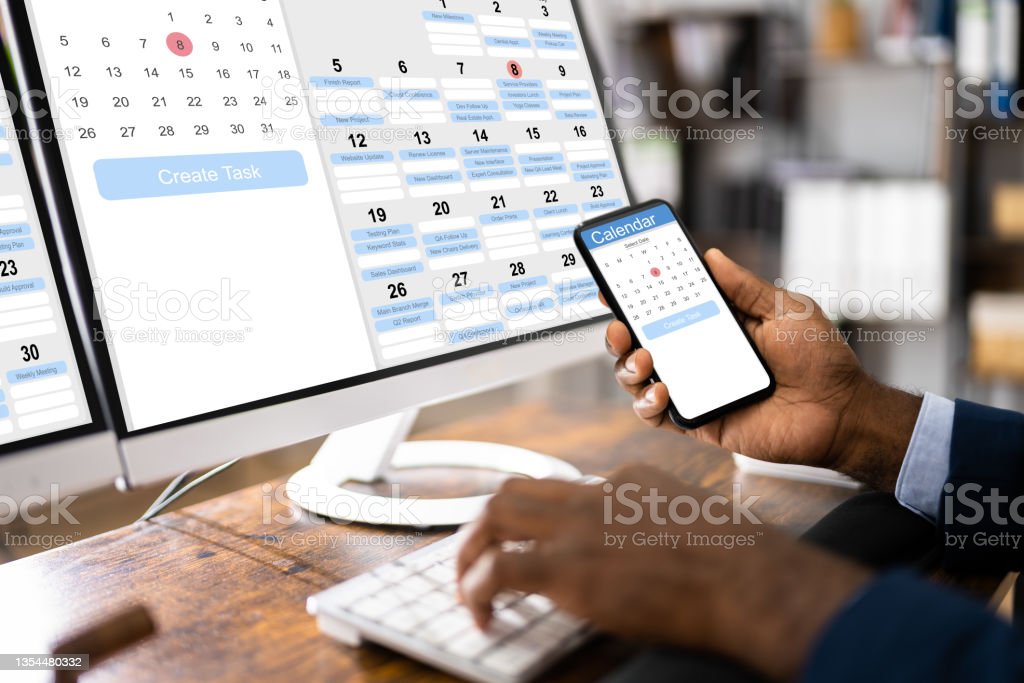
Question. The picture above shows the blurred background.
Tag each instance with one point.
(884, 177)
(867, 152)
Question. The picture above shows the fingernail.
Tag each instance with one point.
(631, 363)
(650, 394)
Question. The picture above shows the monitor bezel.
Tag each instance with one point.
(28, 64)
(66, 293)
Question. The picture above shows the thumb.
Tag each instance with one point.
(749, 293)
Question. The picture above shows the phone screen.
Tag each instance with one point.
(644, 260)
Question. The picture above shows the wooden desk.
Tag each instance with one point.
(228, 589)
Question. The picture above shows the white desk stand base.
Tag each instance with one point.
(363, 454)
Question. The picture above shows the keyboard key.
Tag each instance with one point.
(407, 618)
(372, 608)
(392, 573)
(413, 587)
(439, 600)
(510, 659)
(356, 589)
(505, 598)
(510, 619)
(415, 599)
(440, 574)
(446, 626)
(471, 644)
(540, 603)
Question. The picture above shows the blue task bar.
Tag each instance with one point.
(556, 44)
(332, 120)
(504, 41)
(552, 211)
(488, 162)
(387, 245)
(557, 234)
(570, 94)
(403, 308)
(37, 372)
(518, 94)
(545, 169)
(402, 322)
(388, 272)
(678, 321)
(593, 176)
(429, 154)
(476, 117)
(486, 151)
(450, 237)
(550, 34)
(439, 178)
(490, 173)
(442, 250)
(521, 285)
(16, 230)
(4, 412)
(529, 84)
(576, 115)
(516, 105)
(345, 158)
(484, 333)
(8, 246)
(504, 217)
(22, 287)
(449, 17)
(464, 296)
(381, 233)
(149, 177)
(603, 205)
(552, 158)
(342, 82)
(6, 160)
(473, 105)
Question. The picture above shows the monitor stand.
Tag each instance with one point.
(365, 453)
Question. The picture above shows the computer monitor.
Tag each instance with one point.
(301, 216)
(52, 428)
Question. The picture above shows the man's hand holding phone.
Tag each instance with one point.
(826, 410)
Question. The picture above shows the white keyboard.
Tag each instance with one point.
(410, 606)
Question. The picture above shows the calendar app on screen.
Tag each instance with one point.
(375, 184)
(41, 389)
(676, 311)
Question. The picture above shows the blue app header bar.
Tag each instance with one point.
(628, 226)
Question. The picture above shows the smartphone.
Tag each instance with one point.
(655, 280)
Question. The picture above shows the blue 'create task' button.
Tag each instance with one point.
(148, 177)
(678, 321)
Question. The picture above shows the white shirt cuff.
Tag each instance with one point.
(926, 465)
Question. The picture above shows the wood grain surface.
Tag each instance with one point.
(226, 581)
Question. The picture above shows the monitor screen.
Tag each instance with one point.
(42, 390)
(275, 195)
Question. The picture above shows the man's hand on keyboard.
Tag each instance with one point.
(612, 555)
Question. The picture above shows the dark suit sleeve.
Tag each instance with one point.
(982, 507)
(902, 628)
